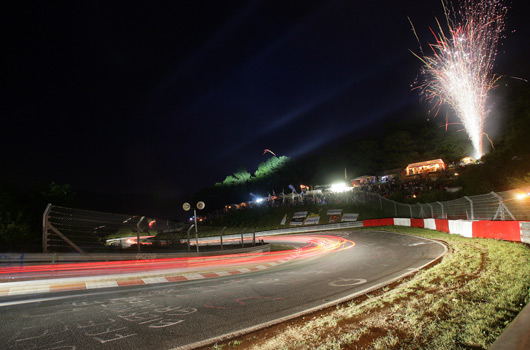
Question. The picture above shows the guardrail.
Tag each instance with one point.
(284, 231)
(12, 259)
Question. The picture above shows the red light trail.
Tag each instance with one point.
(314, 246)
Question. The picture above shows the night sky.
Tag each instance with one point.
(164, 98)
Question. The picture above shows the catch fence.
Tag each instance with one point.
(85, 231)
(508, 205)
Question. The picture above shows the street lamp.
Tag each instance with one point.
(200, 205)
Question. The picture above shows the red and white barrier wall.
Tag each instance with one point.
(517, 231)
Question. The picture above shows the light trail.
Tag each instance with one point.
(314, 246)
(459, 71)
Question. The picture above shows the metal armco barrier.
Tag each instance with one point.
(13, 259)
(285, 231)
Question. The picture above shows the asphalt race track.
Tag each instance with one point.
(185, 314)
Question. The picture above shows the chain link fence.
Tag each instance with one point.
(84, 231)
(508, 205)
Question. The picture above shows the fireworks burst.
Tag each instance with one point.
(459, 71)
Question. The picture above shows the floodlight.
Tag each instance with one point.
(339, 187)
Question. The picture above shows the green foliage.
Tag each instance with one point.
(271, 165)
(265, 169)
(242, 175)
(229, 180)
(518, 182)
(400, 149)
(13, 227)
(451, 147)
(366, 156)
(21, 214)
(239, 177)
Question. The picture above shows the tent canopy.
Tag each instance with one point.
(428, 166)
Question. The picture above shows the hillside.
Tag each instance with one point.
(413, 137)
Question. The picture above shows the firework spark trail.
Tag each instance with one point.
(459, 71)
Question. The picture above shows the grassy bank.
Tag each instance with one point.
(464, 302)
(269, 218)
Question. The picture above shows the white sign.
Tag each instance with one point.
(350, 217)
(300, 214)
(334, 215)
(312, 220)
(334, 211)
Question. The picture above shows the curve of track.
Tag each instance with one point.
(308, 246)
(323, 271)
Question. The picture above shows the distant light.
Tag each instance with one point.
(522, 196)
(259, 200)
(339, 187)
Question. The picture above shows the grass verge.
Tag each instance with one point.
(280, 247)
(464, 302)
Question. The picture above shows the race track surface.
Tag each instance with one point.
(183, 314)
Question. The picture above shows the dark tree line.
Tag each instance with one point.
(21, 213)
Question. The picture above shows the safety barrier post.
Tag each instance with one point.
(502, 208)
(196, 231)
(221, 235)
(471, 206)
(421, 214)
(192, 225)
(444, 216)
(242, 238)
(45, 218)
(138, 234)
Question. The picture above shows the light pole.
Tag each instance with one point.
(200, 205)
